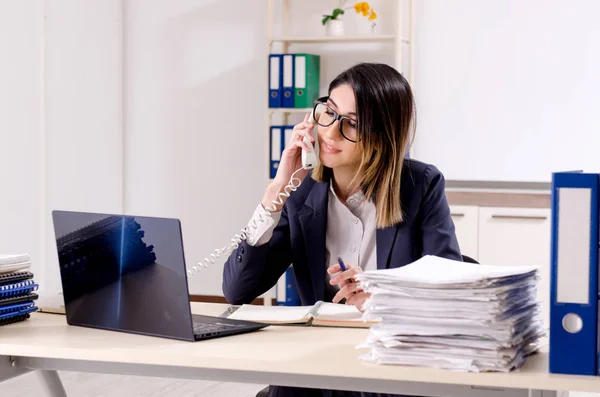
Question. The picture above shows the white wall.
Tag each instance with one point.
(507, 90)
(60, 121)
(83, 131)
(191, 104)
(195, 123)
(21, 151)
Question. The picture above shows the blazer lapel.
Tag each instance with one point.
(313, 220)
(385, 242)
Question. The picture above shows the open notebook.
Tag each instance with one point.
(323, 314)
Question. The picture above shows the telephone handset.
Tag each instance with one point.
(309, 161)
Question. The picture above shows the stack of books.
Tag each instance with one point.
(453, 315)
(17, 297)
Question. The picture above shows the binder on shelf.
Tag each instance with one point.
(288, 81)
(275, 80)
(288, 131)
(276, 143)
(17, 289)
(287, 290)
(306, 79)
(574, 274)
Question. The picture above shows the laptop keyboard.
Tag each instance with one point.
(201, 328)
(205, 328)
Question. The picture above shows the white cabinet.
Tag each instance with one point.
(518, 236)
(507, 236)
(466, 223)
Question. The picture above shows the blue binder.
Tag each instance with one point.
(288, 132)
(574, 274)
(276, 145)
(17, 289)
(275, 80)
(287, 289)
(288, 81)
(14, 310)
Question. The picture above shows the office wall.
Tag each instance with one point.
(60, 121)
(507, 90)
(20, 129)
(83, 134)
(195, 146)
(195, 78)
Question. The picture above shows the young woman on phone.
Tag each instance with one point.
(364, 201)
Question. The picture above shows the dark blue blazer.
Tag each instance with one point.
(299, 238)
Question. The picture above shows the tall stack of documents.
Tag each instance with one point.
(17, 297)
(454, 315)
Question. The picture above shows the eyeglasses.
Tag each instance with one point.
(326, 116)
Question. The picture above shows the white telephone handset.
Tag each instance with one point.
(309, 161)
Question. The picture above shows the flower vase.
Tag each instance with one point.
(335, 28)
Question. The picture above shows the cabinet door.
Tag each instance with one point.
(518, 236)
(466, 223)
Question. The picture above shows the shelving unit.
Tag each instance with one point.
(400, 37)
(344, 39)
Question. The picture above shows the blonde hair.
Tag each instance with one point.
(386, 123)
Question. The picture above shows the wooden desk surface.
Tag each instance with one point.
(323, 356)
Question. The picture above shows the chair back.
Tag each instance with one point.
(469, 259)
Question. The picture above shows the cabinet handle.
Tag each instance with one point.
(457, 214)
(530, 217)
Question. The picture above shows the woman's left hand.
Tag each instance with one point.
(349, 288)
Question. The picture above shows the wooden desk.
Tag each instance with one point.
(293, 356)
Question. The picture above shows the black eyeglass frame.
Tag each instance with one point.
(336, 116)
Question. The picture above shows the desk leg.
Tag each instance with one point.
(52, 383)
(9, 370)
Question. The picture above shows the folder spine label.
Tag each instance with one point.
(288, 81)
(276, 145)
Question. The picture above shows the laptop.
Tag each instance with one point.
(128, 274)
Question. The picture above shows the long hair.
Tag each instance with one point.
(386, 117)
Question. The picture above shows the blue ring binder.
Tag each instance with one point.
(17, 289)
(15, 308)
(19, 313)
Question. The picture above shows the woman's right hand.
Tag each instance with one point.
(290, 162)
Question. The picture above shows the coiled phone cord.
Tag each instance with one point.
(245, 232)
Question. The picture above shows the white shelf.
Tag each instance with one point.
(290, 110)
(328, 39)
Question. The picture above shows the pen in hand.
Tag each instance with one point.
(343, 267)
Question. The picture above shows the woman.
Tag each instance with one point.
(364, 202)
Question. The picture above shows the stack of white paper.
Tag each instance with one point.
(14, 262)
(447, 314)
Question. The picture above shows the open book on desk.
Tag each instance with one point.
(322, 314)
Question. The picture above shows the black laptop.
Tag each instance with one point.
(128, 273)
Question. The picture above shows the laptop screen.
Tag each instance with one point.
(123, 273)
